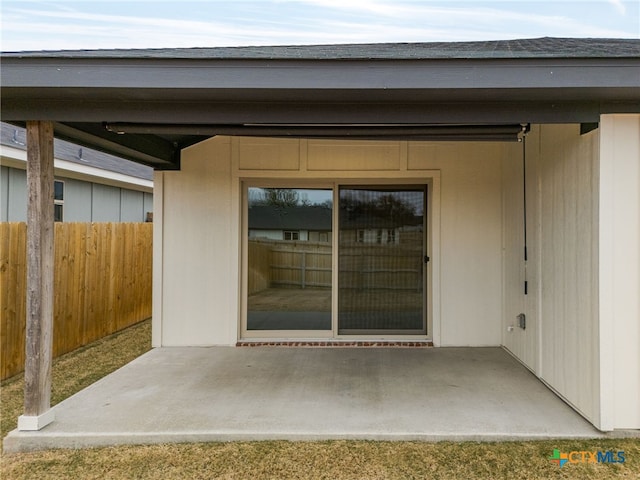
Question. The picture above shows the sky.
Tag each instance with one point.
(95, 24)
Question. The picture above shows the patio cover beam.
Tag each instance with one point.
(40, 260)
(148, 150)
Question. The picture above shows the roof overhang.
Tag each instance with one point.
(170, 103)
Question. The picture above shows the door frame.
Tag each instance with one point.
(430, 179)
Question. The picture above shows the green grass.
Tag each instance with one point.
(278, 459)
(77, 370)
(323, 460)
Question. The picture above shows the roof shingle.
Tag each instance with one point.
(546, 47)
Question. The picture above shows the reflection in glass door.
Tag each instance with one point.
(289, 258)
(381, 255)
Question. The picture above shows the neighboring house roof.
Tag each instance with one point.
(16, 137)
(318, 218)
(268, 217)
(153, 103)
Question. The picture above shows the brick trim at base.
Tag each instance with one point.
(381, 343)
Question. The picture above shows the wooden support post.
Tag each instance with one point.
(40, 259)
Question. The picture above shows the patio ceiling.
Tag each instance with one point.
(147, 105)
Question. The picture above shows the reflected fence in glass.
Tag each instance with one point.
(289, 259)
(381, 260)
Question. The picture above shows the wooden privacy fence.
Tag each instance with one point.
(390, 267)
(102, 284)
(288, 263)
(302, 264)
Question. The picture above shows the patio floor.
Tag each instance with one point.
(259, 393)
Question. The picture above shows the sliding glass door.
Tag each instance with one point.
(381, 260)
(289, 259)
(366, 278)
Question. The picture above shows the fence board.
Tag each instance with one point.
(303, 264)
(102, 284)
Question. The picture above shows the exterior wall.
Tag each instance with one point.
(524, 344)
(4, 193)
(83, 201)
(105, 205)
(470, 229)
(15, 193)
(132, 206)
(568, 265)
(619, 265)
(147, 204)
(197, 270)
(77, 201)
(197, 239)
(560, 343)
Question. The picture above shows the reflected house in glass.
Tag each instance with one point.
(289, 256)
(299, 222)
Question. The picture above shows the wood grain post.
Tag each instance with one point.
(40, 261)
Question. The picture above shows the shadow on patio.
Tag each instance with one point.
(225, 393)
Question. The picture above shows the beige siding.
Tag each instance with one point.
(619, 265)
(569, 235)
(199, 284)
(522, 343)
(471, 226)
(199, 275)
(326, 155)
(583, 334)
(269, 154)
(560, 343)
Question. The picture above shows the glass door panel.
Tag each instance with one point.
(381, 260)
(289, 259)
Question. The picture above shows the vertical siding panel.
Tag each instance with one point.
(4, 193)
(585, 274)
(513, 258)
(532, 300)
(523, 344)
(17, 195)
(619, 266)
(568, 217)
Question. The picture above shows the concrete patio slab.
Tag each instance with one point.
(259, 393)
